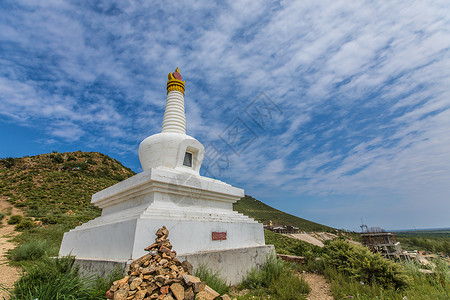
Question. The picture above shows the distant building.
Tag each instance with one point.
(282, 229)
(385, 243)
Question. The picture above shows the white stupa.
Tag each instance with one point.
(170, 192)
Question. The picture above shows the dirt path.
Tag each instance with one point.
(306, 238)
(320, 288)
(8, 274)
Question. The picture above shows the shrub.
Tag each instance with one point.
(50, 220)
(57, 158)
(8, 162)
(53, 279)
(212, 279)
(15, 219)
(343, 287)
(364, 266)
(272, 269)
(91, 161)
(2, 215)
(277, 278)
(290, 286)
(24, 225)
(315, 265)
(101, 284)
(423, 286)
(31, 250)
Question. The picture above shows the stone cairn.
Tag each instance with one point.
(160, 275)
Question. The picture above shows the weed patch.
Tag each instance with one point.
(53, 279)
(15, 219)
(278, 279)
(212, 279)
(51, 236)
(31, 250)
(25, 224)
(101, 284)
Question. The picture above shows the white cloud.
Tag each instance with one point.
(363, 86)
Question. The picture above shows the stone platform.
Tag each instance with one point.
(232, 265)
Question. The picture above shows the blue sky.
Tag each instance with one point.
(330, 110)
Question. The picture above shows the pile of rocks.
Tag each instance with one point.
(160, 275)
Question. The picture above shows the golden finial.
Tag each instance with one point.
(175, 82)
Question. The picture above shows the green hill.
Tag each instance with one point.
(264, 213)
(56, 188)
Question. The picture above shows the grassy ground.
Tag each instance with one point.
(286, 245)
(355, 273)
(421, 286)
(54, 279)
(276, 279)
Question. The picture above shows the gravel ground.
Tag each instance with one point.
(8, 274)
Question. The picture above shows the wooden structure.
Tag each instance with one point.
(385, 243)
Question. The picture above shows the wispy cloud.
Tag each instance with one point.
(363, 87)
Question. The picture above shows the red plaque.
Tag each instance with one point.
(219, 236)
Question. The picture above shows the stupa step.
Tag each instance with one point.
(170, 183)
(200, 217)
(172, 214)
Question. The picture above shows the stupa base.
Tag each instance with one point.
(197, 211)
(232, 264)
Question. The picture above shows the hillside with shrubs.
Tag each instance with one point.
(56, 188)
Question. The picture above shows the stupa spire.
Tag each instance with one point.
(175, 82)
(172, 148)
(174, 117)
